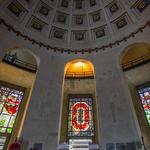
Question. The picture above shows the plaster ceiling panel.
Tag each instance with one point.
(84, 22)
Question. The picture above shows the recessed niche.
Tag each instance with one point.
(36, 24)
(65, 3)
(113, 8)
(96, 17)
(78, 4)
(16, 8)
(139, 7)
(100, 32)
(78, 35)
(121, 22)
(43, 10)
(61, 18)
(78, 20)
(92, 2)
(58, 33)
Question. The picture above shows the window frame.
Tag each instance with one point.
(16, 123)
(93, 116)
(139, 87)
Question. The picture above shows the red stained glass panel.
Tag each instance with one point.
(10, 100)
(80, 116)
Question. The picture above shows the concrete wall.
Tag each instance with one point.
(116, 118)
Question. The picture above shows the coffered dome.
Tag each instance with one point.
(75, 24)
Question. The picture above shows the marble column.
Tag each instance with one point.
(42, 120)
(116, 120)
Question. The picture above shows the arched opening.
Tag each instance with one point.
(17, 74)
(135, 55)
(79, 118)
(22, 58)
(136, 66)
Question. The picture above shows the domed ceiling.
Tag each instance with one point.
(75, 24)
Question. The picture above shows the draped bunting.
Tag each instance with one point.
(62, 50)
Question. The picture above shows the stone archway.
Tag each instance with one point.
(16, 81)
(79, 94)
(135, 64)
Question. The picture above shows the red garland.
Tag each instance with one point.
(76, 51)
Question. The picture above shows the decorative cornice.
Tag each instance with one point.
(82, 51)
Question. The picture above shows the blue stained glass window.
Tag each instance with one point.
(144, 94)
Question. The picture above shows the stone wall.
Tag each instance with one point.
(115, 116)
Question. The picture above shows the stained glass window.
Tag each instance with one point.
(80, 116)
(10, 100)
(144, 94)
(2, 142)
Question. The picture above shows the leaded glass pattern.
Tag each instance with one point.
(10, 100)
(80, 116)
(2, 142)
(144, 94)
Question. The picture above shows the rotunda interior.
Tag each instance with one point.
(74, 75)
